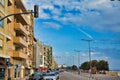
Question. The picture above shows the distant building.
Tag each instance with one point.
(54, 64)
(38, 57)
(47, 52)
(42, 55)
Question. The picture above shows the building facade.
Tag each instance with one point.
(18, 43)
(16, 40)
(46, 50)
(30, 42)
(38, 56)
(5, 38)
(42, 55)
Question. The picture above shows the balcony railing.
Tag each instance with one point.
(19, 41)
(20, 28)
(19, 54)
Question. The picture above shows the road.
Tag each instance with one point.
(71, 76)
(85, 76)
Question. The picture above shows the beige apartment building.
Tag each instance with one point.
(5, 38)
(42, 55)
(47, 58)
(30, 42)
(16, 40)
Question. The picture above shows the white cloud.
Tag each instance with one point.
(97, 14)
(42, 15)
(51, 25)
(106, 57)
(96, 54)
(84, 54)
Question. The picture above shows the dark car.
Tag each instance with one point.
(38, 76)
(32, 75)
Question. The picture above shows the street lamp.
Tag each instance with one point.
(78, 60)
(89, 40)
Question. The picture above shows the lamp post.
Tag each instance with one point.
(78, 60)
(89, 40)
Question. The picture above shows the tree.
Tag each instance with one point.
(85, 66)
(74, 67)
(103, 65)
(94, 63)
(100, 65)
(68, 67)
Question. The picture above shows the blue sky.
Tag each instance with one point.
(63, 23)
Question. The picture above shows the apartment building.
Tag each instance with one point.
(18, 43)
(30, 42)
(38, 56)
(42, 55)
(47, 58)
(16, 40)
(5, 38)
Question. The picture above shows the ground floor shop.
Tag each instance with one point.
(14, 69)
(4, 65)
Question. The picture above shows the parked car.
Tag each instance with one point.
(32, 75)
(55, 71)
(51, 76)
(38, 76)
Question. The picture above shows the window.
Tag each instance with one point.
(2, 23)
(2, 2)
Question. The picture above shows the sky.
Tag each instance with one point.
(63, 23)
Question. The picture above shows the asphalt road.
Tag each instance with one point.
(85, 76)
(71, 76)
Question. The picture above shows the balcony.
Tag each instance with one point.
(18, 54)
(20, 28)
(22, 17)
(19, 41)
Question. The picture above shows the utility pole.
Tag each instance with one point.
(89, 40)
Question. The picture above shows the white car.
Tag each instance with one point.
(51, 76)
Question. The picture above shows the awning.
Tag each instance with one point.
(43, 68)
